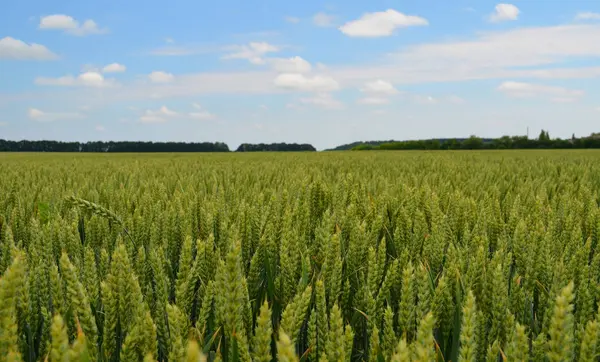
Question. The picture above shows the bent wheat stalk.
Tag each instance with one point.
(98, 210)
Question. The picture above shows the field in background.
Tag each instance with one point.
(314, 256)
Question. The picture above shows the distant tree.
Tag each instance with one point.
(544, 136)
(472, 143)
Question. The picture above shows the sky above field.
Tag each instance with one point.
(324, 73)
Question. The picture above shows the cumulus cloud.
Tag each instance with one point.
(377, 92)
(164, 114)
(42, 116)
(526, 90)
(323, 100)
(86, 79)
(11, 48)
(587, 15)
(114, 68)
(505, 12)
(323, 20)
(161, 77)
(290, 65)
(70, 25)
(158, 116)
(296, 81)
(379, 86)
(253, 52)
(379, 24)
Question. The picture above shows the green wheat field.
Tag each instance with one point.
(331, 256)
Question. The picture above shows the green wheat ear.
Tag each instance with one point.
(468, 332)
(285, 348)
(60, 342)
(193, 353)
(97, 210)
(561, 327)
(263, 335)
(402, 352)
(589, 342)
(424, 345)
(93, 208)
(10, 284)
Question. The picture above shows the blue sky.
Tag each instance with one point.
(325, 73)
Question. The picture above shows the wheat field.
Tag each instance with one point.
(378, 256)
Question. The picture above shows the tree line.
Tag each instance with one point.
(274, 147)
(476, 143)
(136, 146)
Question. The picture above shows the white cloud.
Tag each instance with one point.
(292, 19)
(164, 114)
(373, 101)
(377, 90)
(379, 112)
(100, 128)
(16, 49)
(490, 55)
(323, 100)
(587, 15)
(290, 65)
(263, 107)
(58, 21)
(70, 25)
(3, 124)
(87, 79)
(159, 116)
(523, 53)
(379, 24)
(42, 116)
(323, 20)
(161, 77)
(526, 90)
(379, 86)
(295, 81)
(91, 79)
(253, 52)
(114, 68)
(505, 12)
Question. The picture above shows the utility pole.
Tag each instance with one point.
(527, 132)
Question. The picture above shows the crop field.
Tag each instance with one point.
(340, 256)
